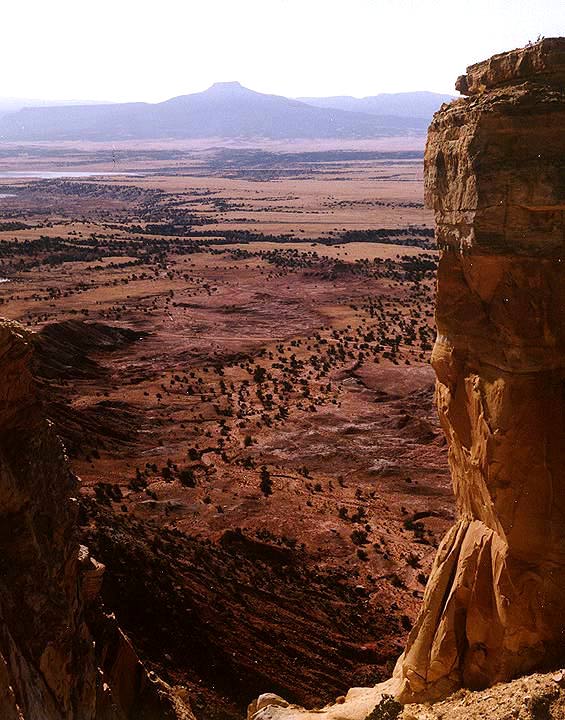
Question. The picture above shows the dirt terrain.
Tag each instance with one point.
(233, 343)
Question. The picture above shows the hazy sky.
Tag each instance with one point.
(139, 50)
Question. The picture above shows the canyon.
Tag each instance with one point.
(232, 346)
(263, 481)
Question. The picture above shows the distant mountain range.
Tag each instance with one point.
(226, 110)
(13, 104)
(421, 104)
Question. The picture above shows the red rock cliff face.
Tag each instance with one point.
(494, 607)
(50, 667)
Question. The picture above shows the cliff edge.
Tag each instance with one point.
(494, 607)
(61, 656)
(494, 175)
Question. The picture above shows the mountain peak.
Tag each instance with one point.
(225, 109)
(231, 86)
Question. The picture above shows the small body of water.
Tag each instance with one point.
(51, 174)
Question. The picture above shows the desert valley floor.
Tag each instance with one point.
(233, 343)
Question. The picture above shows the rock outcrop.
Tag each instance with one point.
(533, 697)
(494, 606)
(61, 656)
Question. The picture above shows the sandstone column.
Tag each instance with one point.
(494, 607)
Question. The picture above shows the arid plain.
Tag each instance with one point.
(234, 344)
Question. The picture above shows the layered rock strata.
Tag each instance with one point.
(61, 656)
(494, 607)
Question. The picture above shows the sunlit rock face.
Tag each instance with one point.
(61, 656)
(494, 607)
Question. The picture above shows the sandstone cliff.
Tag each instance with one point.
(61, 656)
(494, 607)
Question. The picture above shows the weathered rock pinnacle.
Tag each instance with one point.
(494, 607)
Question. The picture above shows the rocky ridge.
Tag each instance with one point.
(494, 607)
(62, 656)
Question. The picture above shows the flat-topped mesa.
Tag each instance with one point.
(494, 607)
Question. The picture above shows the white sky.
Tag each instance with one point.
(139, 50)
